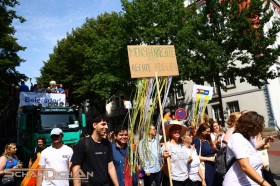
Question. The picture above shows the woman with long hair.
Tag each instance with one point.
(9, 161)
(246, 170)
(206, 150)
(217, 135)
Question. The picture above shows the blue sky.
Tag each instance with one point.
(48, 21)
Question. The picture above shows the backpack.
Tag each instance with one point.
(221, 166)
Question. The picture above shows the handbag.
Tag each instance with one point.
(269, 177)
(7, 180)
(264, 156)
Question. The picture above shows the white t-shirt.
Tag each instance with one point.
(57, 159)
(179, 161)
(194, 166)
(239, 147)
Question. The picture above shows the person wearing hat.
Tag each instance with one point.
(178, 153)
(57, 157)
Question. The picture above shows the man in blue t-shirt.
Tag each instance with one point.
(23, 87)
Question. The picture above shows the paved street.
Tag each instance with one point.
(274, 158)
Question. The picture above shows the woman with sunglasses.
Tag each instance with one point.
(206, 150)
(178, 153)
(196, 177)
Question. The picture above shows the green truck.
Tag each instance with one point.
(41, 116)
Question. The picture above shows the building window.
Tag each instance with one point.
(229, 82)
(216, 112)
(180, 92)
(233, 106)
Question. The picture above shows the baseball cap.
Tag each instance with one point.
(56, 131)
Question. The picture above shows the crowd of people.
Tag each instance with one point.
(39, 88)
(102, 156)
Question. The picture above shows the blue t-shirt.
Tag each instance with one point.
(24, 88)
(60, 90)
(10, 163)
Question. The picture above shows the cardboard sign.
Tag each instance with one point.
(144, 61)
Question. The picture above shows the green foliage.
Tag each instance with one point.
(220, 42)
(9, 47)
(223, 41)
(91, 61)
(153, 22)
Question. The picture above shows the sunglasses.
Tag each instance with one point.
(55, 136)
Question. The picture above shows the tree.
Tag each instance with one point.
(227, 40)
(153, 22)
(90, 61)
(9, 47)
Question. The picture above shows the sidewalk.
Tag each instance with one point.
(274, 159)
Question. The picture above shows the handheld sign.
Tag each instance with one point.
(154, 61)
(202, 90)
(127, 105)
(144, 61)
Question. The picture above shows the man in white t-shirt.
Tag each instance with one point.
(56, 157)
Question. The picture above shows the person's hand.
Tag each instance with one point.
(147, 173)
(165, 154)
(212, 158)
(269, 139)
(203, 183)
(190, 160)
(20, 165)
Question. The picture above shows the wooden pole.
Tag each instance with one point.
(163, 131)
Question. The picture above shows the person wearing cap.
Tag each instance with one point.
(178, 153)
(56, 157)
(94, 155)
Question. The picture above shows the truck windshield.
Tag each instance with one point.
(61, 120)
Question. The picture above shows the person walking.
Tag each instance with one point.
(196, 177)
(178, 153)
(41, 142)
(94, 155)
(119, 148)
(217, 135)
(56, 157)
(151, 159)
(246, 170)
(8, 163)
(206, 150)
